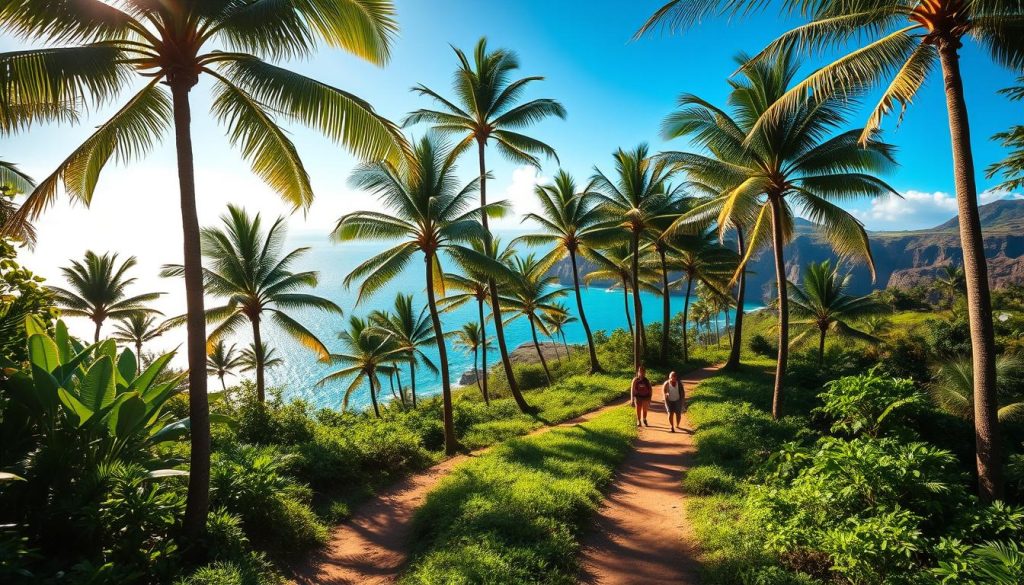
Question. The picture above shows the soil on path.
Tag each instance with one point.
(370, 548)
(641, 533)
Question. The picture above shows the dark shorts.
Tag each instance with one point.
(674, 406)
(642, 398)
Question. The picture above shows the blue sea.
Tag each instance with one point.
(300, 372)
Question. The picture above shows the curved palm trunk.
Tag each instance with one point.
(476, 370)
(686, 317)
(197, 504)
(412, 381)
(728, 337)
(666, 306)
(499, 329)
(821, 347)
(373, 395)
(482, 375)
(398, 379)
(625, 303)
(540, 354)
(450, 442)
(96, 334)
(779, 243)
(257, 340)
(595, 366)
(638, 340)
(737, 332)
(223, 386)
(391, 383)
(979, 302)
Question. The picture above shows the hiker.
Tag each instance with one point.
(675, 401)
(640, 392)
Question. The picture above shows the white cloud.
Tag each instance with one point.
(917, 209)
(520, 193)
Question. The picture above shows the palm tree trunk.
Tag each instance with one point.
(138, 360)
(540, 354)
(483, 350)
(638, 342)
(979, 302)
(373, 396)
(257, 341)
(450, 442)
(728, 337)
(625, 303)
(391, 383)
(779, 243)
(197, 504)
(476, 370)
(566, 344)
(737, 332)
(686, 316)
(398, 378)
(666, 306)
(718, 333)
(595, 367)
(223, 386)
(412, 381)
(821, 348)
(96, 335)
(499, 329)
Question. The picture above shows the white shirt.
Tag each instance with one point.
(672, 391)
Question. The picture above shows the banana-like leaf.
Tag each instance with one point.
(130, 415)
(5, 476)
(181, 428)
(146, 378)
(97, 390)
(126, 367)
(82, 412)
(108, 348)
(42, 353)
(34, 326)
(63, 340)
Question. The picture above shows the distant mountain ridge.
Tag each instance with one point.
(902, 258)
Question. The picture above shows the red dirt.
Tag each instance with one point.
(641, 533)
(370, 548)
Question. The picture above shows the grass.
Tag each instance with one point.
(515, 514)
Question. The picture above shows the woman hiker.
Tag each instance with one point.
(640, 392)
(675, 398)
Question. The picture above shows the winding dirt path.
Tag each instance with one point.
(370, 548)
(641, 533)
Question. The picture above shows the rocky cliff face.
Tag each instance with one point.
(902, 259)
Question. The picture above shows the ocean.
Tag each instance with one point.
(300, 371)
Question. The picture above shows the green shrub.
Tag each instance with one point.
(704, 480)
(990, 563)
(868, 403)
(762, 346)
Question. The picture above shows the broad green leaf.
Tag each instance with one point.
(126, 366)
(70, 367)
(173, 431)
(97, 387)
(63, 339)
(162, 473)
(34, 326)
(129, 416)
(44, 386)
(157, 395)
(109, 349)
(42, 352)
(5, 476)
(146, 378)
(82, 412)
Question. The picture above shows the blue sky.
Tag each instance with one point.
(616, 92)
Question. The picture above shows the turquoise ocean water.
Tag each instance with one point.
(300, 371)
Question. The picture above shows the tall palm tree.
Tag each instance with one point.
(471, 338)
(368, 353)
(429, 213)
(98, 290)
(487, 110)
(952, 389)
(172, 44)
(222, 361)
(661, 235)
(572, 221)
(411, 332)
(822, 303)
(530, 294)
(1012, 167)
(639, 194)
(137, 329)
(952, 282)
(769, 168)
(255, 357)
(247, 266)
(556, 321)
(701, 260)
(614, 264)
(904, 39)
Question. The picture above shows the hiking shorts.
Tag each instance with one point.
(674, 406)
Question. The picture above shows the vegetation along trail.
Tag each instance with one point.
(372, 546)
(641, 534)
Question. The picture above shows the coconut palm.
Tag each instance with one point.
(613, 263)
(367, 353)
(822, 304)
(167, 47)
(429, 213)
(903, 42)
(222, 361)
(876, 325)
(700, 260)
(487, 110)
(571, 221)
(246, 266)
(137, 329)
(253, 357)
(1012, 167)
(953, 388)
(639, 193)
(660, 236)
(410, 331)
(14, 182)
(769, 168)
(97, 290)
(471, 338)
(951, 281)
(529, 293)
(556, 322)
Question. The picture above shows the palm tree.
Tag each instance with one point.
(767, 168)
(487, 110)
(876, 325)
(951, 282)
(701, 259)
(429, 213)
(247, 266)
(953, 389)
(639, 194)
(1012, 167)
(14, 182)
(822, 303)
(661, 234)
(904, 41)
(97, 290)
(222, 361)
(572, 222)
(471, 338)
(137, 329)
(368, 353)
(410, 331)
(172, 44)
(254, 357)
(614, 264)
(530, 295)
(556, 322)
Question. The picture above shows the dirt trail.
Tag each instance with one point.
(641, 533)
(370, 547)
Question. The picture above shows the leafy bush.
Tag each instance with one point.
(705, 480)
(864, 404)
(762, 346)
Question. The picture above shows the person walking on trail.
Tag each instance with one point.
(640, 392)
(675, 401)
